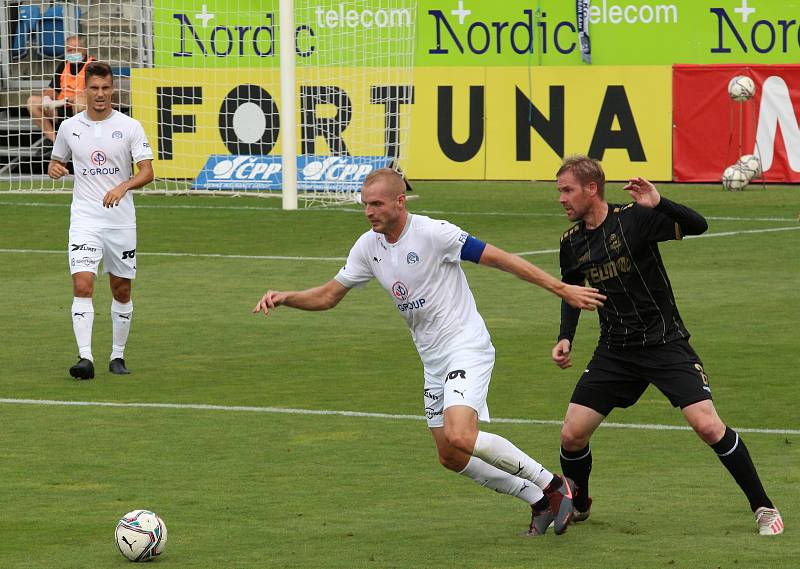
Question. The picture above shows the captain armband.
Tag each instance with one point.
(472, 249)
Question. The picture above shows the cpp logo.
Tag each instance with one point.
(335, 168)
(98, 158)
(245, 168)
(400, 291)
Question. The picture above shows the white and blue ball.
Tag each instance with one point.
(141, 535)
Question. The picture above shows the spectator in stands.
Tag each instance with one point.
(65, 95)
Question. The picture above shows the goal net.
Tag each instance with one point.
(230, 103)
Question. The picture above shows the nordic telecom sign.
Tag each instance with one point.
(221, 33)
(622, 32)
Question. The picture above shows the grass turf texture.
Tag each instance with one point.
(244, 489)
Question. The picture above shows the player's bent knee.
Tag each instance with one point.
(462, 440)
(451, 462)
(574, 440)
(710, 431)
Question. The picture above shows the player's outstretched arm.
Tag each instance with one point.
(575, 296)
(645, 194)
(57, 169)
(319, 298)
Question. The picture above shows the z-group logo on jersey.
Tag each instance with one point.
(98, 159)
(400, 291)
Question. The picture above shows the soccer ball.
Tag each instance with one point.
(141, 535)
(734, 178)
(751, 165)
(741, 88)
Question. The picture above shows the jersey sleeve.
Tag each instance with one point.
(448, 240)
(570, 274)
(356, 271)
(140, 147)
(653, 225)
(61, 150)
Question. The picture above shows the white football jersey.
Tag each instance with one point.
(101, 154)
(422, 273)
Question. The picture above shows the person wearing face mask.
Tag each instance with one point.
(65, 96)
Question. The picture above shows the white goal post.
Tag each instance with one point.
(231, 104)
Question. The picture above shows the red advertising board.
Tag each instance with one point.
(711, 131)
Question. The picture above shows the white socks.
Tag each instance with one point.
(82, 320)
(501, 454)
(503, 482)
(121, 314)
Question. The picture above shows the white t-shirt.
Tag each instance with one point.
(423, 275)
(101, 154)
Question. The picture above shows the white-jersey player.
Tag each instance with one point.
(417, 260)
(101, 143)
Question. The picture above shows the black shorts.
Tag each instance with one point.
(617, 378)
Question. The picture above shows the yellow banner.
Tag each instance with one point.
(189, 114)
(524, 120)
(467, 123)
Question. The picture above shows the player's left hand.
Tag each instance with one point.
(113, 197)
(643, 192)
(583, 297)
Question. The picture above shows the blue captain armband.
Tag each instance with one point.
(472, 249)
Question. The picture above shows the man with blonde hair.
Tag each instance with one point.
(642, 337)
(417, 261)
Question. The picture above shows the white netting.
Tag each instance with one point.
(204, 78)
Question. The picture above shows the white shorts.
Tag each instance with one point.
(115, 247)
(464, 380)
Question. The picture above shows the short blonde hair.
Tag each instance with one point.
(391, 178)
(585, 170)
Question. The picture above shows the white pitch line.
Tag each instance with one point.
(341, 259)
(291, 411)
(201, 255)
(360, 210)
(742, 232)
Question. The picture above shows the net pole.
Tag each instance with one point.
(288, 112)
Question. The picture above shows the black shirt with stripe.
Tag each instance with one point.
(621, 259)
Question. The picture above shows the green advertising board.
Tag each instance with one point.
(622, 32)
(246, 33)
(457, 33)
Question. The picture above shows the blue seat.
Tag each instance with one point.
(52, 29)
(28, 18)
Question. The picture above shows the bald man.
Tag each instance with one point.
(417, 260)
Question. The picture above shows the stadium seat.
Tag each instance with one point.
(28, 18)
(57, 20)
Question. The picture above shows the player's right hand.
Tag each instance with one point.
(561, 355)
(271, 299)
(56, 170)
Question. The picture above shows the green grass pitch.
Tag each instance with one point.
(256, 488)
